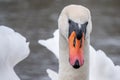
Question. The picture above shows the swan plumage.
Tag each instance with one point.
(101, 66)
(13, 49)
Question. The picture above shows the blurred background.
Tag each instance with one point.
(37, 19)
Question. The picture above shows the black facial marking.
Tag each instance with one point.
(83, 26)
(74, 27)
(69, 21)
(79, 33)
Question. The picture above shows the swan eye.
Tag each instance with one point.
(69, 21)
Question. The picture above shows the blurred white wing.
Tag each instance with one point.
(102, 67)
(13, 49)
(52, 43)
(52, 74)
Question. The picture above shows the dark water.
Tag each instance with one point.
(37, 19)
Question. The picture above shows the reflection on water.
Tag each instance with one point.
(37, 19)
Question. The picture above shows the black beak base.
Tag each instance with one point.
(74, 27)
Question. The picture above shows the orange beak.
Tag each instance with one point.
(76, 50)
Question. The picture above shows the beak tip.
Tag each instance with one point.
(76, 65)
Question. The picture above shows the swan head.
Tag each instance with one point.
(75, 26)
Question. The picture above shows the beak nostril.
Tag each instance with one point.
(74, 42)
(76, 65)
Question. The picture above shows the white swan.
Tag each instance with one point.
(75, 20)
(13, 49)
